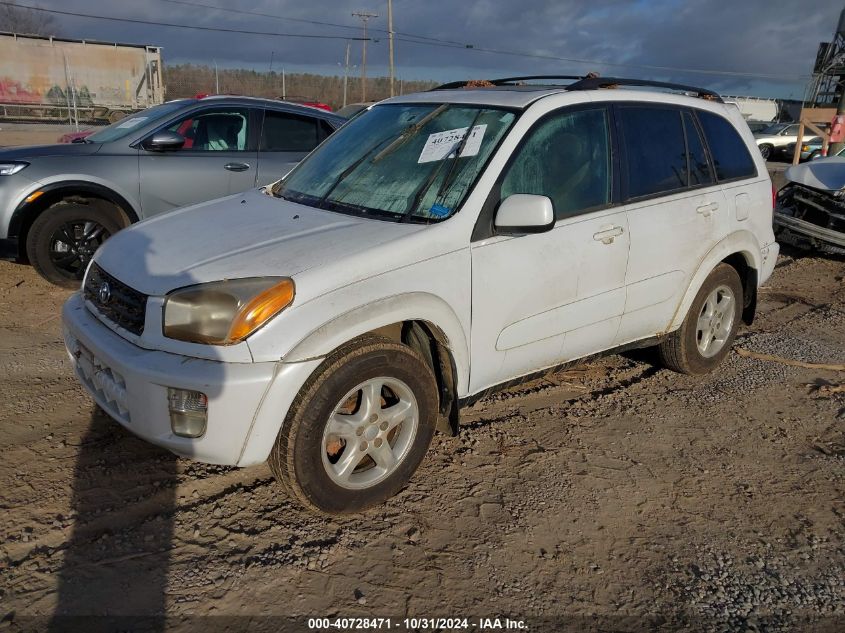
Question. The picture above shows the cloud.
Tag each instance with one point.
(769, 37)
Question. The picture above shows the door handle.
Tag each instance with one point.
(606, 235)
(236, 166)
(707, 209)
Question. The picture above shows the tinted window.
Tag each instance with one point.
(567, 158)
(656, 155)
(699, 169)
(214, 130)
(730, 155)
(284, 132)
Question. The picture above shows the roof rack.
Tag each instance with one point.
(505, 81)
(591, 82)
(594, 83)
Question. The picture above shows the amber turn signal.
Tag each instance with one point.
(260, 309)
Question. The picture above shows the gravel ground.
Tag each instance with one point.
(614, 496)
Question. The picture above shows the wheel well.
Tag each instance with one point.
(431, 343)
(748, 277)
(26, 214)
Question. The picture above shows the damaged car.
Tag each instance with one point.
(810, 209)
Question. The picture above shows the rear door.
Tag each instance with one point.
(540, 299)
(676, 212)
(218, 158)
(286, 138)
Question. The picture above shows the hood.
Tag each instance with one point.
(824, 173)
(60, 149)
(247, 235)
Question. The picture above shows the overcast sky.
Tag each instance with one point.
(774, 39)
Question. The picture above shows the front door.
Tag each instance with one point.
(541, 299)
(216, 160)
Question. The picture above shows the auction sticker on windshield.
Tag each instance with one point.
(441, 144)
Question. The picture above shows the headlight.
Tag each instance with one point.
(225, 312)
(8, 169)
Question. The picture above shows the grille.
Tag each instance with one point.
(116, 301)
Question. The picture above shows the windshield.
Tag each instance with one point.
(774, 129)
(400, 161)
(123, 127)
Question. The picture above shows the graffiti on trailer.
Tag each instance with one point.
(12, 91)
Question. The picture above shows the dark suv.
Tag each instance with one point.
(58, 203)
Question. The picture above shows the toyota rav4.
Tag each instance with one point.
(439, 245)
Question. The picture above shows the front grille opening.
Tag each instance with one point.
(115, 301)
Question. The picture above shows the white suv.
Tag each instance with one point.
(435, 247)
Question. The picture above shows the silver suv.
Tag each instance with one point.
(58, 203)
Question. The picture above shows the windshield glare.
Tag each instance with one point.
(131, 123)
(400, 161)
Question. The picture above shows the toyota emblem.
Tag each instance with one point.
(104, 294)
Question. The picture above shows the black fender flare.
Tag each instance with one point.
(21, 215)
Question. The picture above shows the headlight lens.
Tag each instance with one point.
(225, 312)
(8, 169)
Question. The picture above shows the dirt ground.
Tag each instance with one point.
(615, 496)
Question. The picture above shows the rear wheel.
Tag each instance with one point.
(709, 329)
(359, 427)
(62, 240)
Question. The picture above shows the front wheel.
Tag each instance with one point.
(63, 239)
(766, 150)
(708, 331)
(359, 427)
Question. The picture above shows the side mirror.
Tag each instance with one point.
(163, 142)
(523, 213)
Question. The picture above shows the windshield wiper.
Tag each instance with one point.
(409, 132)
(421, 191)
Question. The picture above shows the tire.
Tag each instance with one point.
(62, 240)
(116, 115)
(314, 465)
(767, 151)
(685, 350)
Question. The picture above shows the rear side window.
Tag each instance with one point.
(655, 149)
(699, 168)
(730, 155)
(567, 158)
(283, 132)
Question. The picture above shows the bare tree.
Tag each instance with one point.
(26, 21)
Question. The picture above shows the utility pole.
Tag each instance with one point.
(345, 74)
(390, 39)
(365, 17)
(216, 79)
(284, 90)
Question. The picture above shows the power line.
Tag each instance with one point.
(177, 26)
(411, 39)
(306, 21)
(434, 41)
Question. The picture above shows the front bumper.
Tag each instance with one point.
(810, 230)
(247, 402)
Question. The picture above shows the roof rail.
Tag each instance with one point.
(504, 81)
(580, 82)
(595, 83)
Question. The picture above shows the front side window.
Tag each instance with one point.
(730, 155)
(566, 158)
(655, 150)
(284, 132)
(214, 130)
(406, 162)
